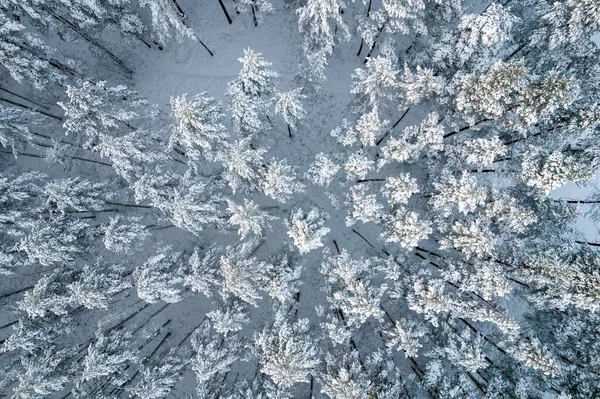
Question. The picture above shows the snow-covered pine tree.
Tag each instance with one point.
(399, 189)
(320, 21)
(213, 355)
(14, 128)
(28, 59)
(97, 284)
(279, 182)
(108, 356)
(322, 170)
(158, 278)
(352, 291)
(243, 275)
(289, 105)
(249, 217)
(122, 235)
(377, 82)
(159, 376)
(243, 163)
(464, 194)
(93, 109)
(53, 241)
(41, 375)
(199, 127)
(194, 204)
(167, 20)
(282, 281)
(472, 238)
(404, 227)
(73, 194)
(363, 207)
(200, 271)
(286, 351)
(307, 229)
(250, 93)
(231, 317)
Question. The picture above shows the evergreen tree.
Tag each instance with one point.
(242, 164)
(279, 181)
(322, 170)
(306, 229)
(257, 8)
(157, 279)
(108, 356)
(14, 128)
(159, 376)
(28, 59)
(249, 217)
(289, 105)
(199, 128)
(249, 94)
(319, 21)
(286, 351)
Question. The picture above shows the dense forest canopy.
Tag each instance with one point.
(299, 199)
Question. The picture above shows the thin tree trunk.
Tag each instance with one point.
(12, 323)
(179, 9)
(225, 11)
(336, 246)
(361, 39)
(128, 205)
(579, 201)
(16, 292)
(254, 16)
(591, 244)
(94, 42)
(393, 127)
(462, 129)
(131, 316)
(375, 41)
(361, 236)
(24, 154)
(518, 49)
(368, 180)
(24, 98)
(204, 45)
(58, 118)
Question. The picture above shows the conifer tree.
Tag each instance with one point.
(199, 128)
(286, 353)
(319, 21)
(307, 229)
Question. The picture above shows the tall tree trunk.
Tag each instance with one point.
(94, 42)
(462, 129)
(24, 98)
(204, 45)
(254, 16)
(393, 127)
(25, 154)
(16, 292)
(375, 41)
(27, 107)
(128, 205)
(225, 11)
(361, 39)
(179, 9)
(368, 180)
